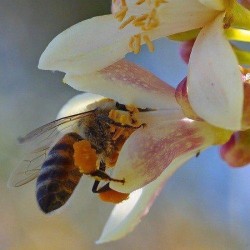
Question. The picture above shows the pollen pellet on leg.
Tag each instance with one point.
(113, 196)
(85, 157)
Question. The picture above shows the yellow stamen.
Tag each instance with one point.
(135, 43)
(157, 3)
(139, 24)
(123, 2)
(146, 22)
(149, 43)
(152, 21)
(140, 18)
(121, 14)
(139, 2)
(126, 22)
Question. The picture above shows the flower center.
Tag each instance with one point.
(221, 135)
(146, 21)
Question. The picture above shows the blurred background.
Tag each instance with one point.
(205, 205)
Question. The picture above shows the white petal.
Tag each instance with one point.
(127, 83)
(214, 4)
(215, 87)
(87, 46)
(97, 42)
(179, 16)
(79, 104)
(150, 150)
(126, 215)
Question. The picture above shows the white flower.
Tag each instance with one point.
(90, 54)
(83, 50)
(152, 153)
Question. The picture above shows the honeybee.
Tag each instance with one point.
(64, 150)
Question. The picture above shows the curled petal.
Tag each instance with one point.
(150, 150)
(126, 215)
(78, 104)
(181, 96)
(126, 83)
(214, 4)
(186, 49)
(236, 152)
(215, 87)
(178, 16)
(87, 46)
(98, 42)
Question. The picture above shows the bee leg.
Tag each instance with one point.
(100, 175)
(102, 189)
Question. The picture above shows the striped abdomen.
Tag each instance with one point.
(58, 176)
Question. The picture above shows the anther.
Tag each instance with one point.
(157, 3)
(139, 21)
(121, 14)
(149, 43)
(135, 43)
(126, 22)
(123, 2)
(139, 2)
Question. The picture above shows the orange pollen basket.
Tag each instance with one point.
(85, 157)
(113, 196)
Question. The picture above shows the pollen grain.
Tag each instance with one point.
(145, 22)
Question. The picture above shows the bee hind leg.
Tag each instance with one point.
(100, 190)
(100, 175)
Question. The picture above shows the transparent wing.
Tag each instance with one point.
(38, 143)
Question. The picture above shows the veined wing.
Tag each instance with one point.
(54, 127)
(39, 142)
